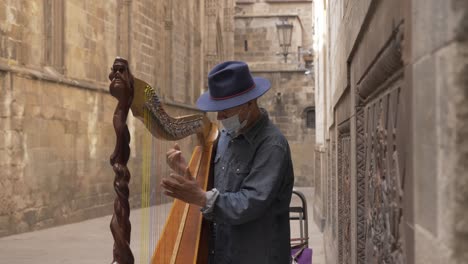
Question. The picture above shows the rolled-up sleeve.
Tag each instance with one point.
(258, 189)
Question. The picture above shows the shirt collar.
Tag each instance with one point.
(253, 131)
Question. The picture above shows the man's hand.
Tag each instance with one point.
(175, 160)
(184, 188)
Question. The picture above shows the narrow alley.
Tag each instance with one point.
(368, 102)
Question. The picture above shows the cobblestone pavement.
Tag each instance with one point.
(90, 242)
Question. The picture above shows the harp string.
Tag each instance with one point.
(145, 181)
(152, 200)
(156, 207)
(154, 221)
(159, 169)
(156, 217)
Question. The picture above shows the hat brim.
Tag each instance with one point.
(208, 104)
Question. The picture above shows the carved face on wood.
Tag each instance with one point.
(121, 78)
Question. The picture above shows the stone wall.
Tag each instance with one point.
(22, 31)
(390, 77)
(56, 155)
(359, 71)
(56, 132)
(438, 66)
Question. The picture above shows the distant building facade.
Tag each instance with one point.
(290, 101)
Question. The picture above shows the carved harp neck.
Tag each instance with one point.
(160, 124)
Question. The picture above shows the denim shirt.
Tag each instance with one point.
(254, 176)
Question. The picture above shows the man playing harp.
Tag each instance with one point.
(248, 207)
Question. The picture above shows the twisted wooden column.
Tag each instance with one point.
(121, 88)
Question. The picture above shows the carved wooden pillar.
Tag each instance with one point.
(121, 88)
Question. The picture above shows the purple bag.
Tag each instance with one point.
(301, 255)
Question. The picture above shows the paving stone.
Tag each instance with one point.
(90, 242)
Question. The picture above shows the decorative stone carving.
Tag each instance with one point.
(211, 7)
(228, 21)
(360, 185)
(379, 176)
(327, 189)
(384, 182)
(344, 193)
(333, 193)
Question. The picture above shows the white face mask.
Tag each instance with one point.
(233, 125)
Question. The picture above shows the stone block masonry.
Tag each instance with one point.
(56, 132)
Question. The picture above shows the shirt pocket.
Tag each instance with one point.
(240, 172)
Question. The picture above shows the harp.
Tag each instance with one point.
(184, 238)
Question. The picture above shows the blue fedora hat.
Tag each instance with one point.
(230, 84)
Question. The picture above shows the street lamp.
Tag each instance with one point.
(284, 30)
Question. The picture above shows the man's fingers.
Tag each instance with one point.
(174, 195)
(173, 155)
(177, 178)
(170, 151)
(188, 174)
(176, 146)
(171, 185)
(168, 193)
(176, 161)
